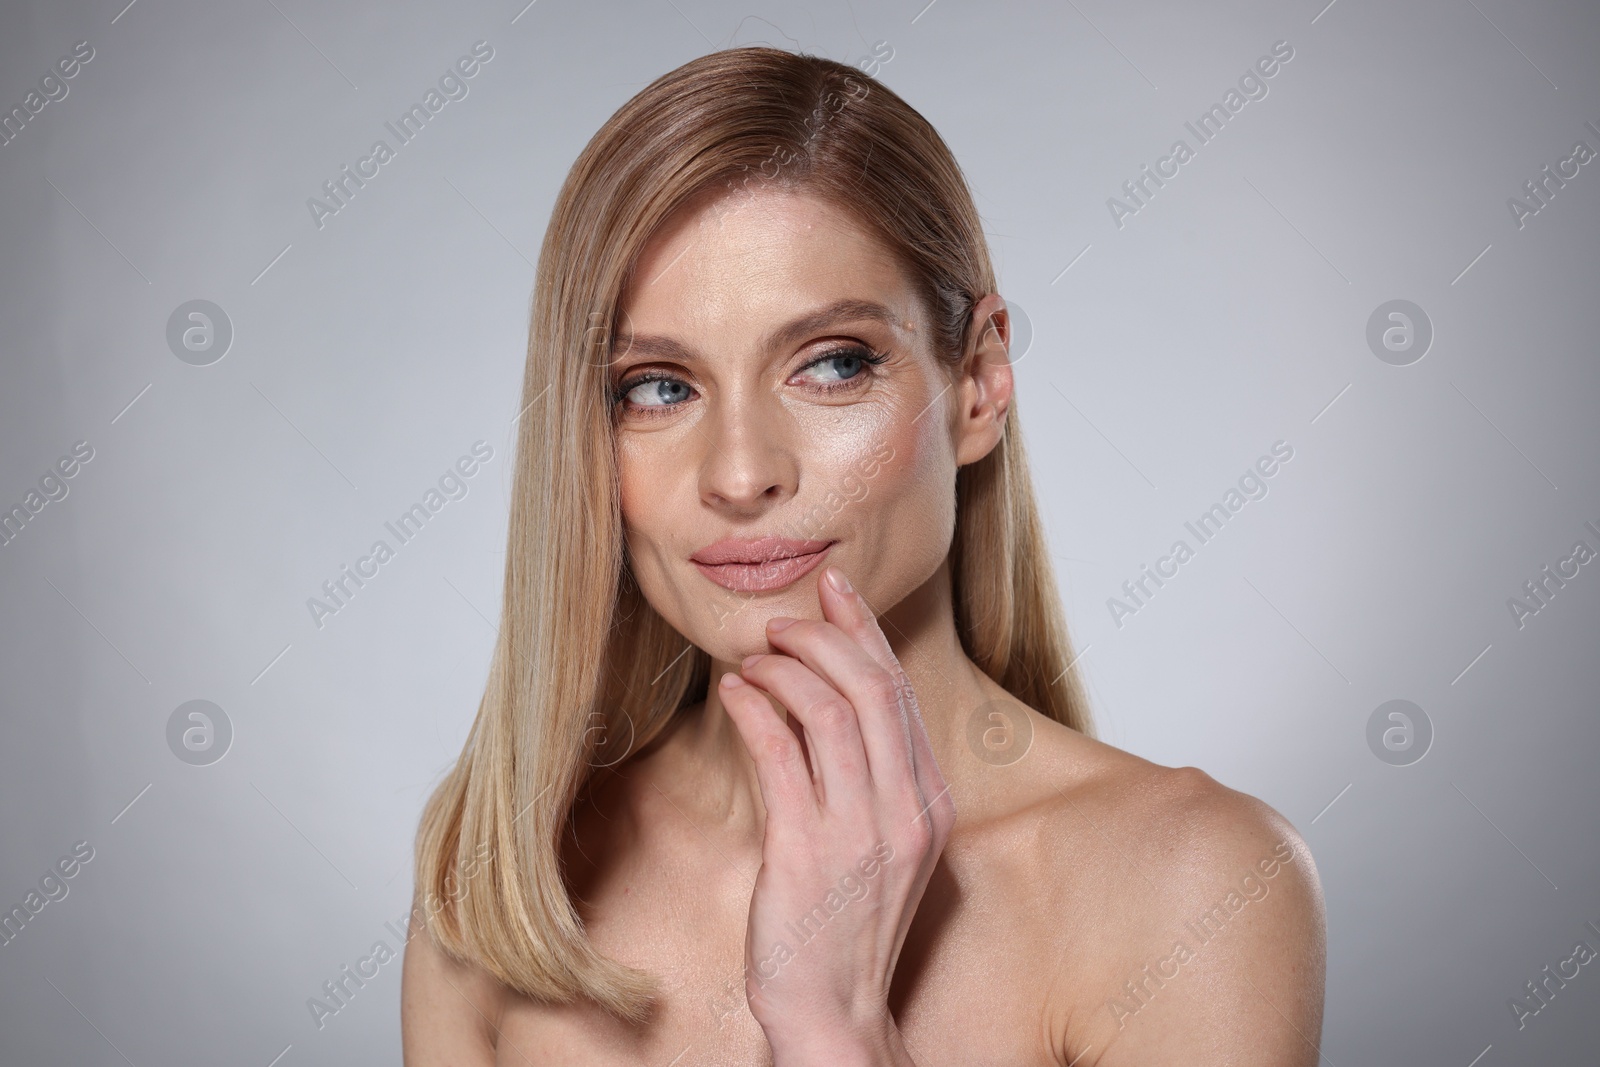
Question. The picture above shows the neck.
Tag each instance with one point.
(949, 686)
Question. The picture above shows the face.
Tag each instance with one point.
(780, 410)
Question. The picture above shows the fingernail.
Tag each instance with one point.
(837, 579)
(778, 622)
(745, 665)
(732, 681)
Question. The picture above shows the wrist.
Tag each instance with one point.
(870, 1043)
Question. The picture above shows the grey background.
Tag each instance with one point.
(1229, 313)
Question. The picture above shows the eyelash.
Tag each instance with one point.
(870, 357)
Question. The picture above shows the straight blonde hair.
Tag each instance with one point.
(581, 655)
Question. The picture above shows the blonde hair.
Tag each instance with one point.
(580, 651)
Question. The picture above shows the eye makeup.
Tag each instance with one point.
(854, 351)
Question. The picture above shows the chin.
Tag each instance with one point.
(735, 626)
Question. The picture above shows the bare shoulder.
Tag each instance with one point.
(1178, 821)
(1184, 919)
(449, 1009)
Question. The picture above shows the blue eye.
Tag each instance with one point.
(845, 365)
(654, 392)
(848, 363)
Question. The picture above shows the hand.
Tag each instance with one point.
(850, 842)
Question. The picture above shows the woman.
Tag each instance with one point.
(783, 756)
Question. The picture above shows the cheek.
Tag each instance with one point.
(630, 495)
(916, 473)
(646, 487)
(890, 491)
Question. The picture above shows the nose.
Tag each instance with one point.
(750, 462)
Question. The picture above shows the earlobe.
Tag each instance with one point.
(983, 420)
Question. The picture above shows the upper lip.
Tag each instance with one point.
(760, 550)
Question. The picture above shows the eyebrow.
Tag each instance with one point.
(847, 310)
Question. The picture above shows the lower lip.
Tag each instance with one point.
(761, 577)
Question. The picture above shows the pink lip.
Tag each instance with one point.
(761, 565)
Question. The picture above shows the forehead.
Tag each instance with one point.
(728, 259)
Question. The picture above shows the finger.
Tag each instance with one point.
(831, 722)
(781, 770)
(850, 612)
(841, 660)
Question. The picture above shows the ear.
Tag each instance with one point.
(984, 383)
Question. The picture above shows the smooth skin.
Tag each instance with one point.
(1074, 906)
